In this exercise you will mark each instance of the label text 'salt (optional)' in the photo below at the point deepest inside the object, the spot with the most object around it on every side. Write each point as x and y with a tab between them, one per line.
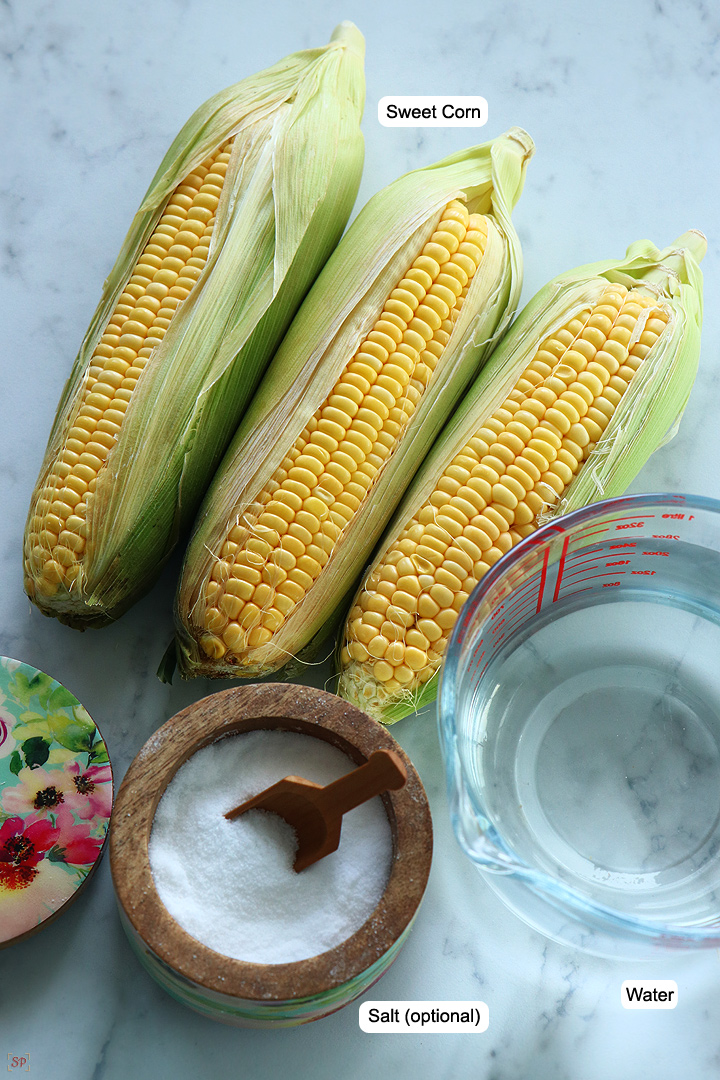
428	1017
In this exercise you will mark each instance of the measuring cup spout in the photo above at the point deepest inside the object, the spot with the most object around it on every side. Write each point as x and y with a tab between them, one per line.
474	832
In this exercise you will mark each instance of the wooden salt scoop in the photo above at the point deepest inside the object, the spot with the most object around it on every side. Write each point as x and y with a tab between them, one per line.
315	812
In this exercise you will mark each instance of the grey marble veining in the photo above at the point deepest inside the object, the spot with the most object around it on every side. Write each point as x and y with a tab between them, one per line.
621	100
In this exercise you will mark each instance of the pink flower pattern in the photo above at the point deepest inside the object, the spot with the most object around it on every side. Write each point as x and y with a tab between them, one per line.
55	797
31	886
23	843
78	847
42	791
89	790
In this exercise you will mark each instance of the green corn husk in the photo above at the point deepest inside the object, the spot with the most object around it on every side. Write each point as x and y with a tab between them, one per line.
291	183
341	309
646	417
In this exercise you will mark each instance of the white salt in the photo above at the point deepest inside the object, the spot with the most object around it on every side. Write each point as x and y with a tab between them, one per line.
231	884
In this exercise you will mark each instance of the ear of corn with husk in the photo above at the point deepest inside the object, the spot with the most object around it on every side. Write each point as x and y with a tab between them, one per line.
589	381
413	300
243	211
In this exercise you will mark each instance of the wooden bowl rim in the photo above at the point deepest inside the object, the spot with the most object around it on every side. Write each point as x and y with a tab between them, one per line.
246	708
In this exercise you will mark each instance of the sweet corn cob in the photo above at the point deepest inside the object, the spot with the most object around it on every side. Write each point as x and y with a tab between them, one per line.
163	277
334	461
507	466
308	512
226	243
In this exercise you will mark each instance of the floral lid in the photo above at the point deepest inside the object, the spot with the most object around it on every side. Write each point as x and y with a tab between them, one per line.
56	793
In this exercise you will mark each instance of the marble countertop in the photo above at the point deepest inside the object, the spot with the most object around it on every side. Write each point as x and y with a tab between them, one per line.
622	103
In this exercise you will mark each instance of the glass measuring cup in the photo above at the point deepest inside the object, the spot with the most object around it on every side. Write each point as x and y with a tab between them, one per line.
579	714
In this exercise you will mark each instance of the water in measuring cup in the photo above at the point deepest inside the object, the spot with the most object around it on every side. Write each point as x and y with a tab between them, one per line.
598	743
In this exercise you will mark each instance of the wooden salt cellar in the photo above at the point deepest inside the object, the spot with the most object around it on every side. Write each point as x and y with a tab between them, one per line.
234	991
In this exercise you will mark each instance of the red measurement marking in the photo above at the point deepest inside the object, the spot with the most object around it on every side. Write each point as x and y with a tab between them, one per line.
514	622
543	576
616	547
476	661
528	584
518	605
512	606
561	568
574	592
608	574
592	532
665	553
584	554
526	605
633	517
477	657
582	571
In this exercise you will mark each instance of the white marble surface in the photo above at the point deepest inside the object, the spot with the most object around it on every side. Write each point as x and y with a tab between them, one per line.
622	102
